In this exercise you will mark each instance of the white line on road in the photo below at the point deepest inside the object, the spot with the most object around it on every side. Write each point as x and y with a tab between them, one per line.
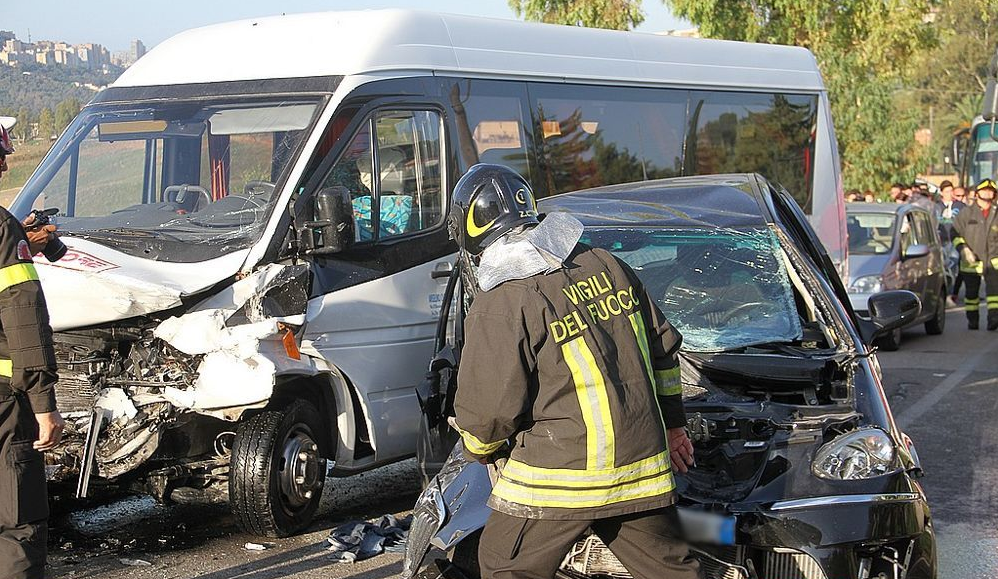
916	410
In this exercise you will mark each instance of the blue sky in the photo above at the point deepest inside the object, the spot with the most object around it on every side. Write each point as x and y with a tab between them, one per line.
114	23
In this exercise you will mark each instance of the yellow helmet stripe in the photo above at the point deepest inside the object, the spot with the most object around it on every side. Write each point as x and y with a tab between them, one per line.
473	228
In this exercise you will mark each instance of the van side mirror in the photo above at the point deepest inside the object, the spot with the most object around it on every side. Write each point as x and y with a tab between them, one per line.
332	228
889	311
960	140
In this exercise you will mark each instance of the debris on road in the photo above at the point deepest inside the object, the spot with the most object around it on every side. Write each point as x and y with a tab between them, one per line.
135	562
359	540
257	546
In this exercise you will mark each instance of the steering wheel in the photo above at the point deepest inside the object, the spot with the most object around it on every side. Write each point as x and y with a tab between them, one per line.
182	191
738	310
259	189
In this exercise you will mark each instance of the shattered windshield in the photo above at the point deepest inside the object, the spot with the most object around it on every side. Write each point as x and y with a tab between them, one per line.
173	181
723	289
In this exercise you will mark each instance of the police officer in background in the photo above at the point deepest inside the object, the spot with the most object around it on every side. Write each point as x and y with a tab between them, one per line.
975	236
29	421
567	356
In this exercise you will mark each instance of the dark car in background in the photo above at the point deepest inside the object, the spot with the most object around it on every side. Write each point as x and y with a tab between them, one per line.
801	472
897	246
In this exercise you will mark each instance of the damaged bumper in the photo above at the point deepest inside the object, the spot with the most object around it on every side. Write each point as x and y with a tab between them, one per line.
160	396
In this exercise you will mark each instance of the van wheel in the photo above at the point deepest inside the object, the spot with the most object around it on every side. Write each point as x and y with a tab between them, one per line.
937	324
276	474
891	342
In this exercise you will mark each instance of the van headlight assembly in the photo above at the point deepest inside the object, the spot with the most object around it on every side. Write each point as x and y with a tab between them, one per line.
860	454
868	284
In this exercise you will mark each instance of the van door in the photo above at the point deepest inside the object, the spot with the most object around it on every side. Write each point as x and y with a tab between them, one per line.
374	306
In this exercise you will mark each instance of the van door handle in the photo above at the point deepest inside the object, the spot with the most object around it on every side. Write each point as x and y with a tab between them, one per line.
442	270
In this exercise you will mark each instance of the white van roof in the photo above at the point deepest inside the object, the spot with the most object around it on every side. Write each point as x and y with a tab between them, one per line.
414	42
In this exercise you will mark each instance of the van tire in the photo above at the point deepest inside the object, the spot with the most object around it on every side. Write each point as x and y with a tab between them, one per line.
269	496
937	324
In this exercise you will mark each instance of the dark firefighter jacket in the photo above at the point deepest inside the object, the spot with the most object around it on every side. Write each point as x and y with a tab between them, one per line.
579	368
27	358
979	233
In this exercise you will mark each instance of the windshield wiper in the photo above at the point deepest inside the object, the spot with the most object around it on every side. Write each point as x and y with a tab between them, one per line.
121	234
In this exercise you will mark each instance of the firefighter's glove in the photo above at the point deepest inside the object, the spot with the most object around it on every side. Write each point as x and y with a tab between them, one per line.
967	255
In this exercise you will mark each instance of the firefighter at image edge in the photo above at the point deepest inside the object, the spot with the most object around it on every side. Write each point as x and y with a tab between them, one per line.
29	421
975	236
569	361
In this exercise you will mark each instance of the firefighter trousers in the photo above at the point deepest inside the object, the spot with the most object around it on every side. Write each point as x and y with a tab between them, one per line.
648	544
972	301
23	494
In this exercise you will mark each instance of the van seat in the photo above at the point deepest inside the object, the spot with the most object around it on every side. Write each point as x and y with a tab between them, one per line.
396	211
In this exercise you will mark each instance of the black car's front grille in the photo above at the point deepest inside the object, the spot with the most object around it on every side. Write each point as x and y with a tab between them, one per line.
790	564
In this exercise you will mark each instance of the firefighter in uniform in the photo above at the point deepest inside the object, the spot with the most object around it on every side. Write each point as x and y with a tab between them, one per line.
975	236
29	421
569	361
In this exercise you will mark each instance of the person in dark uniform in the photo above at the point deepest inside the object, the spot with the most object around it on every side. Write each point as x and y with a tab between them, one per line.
975	237
570	362
29	421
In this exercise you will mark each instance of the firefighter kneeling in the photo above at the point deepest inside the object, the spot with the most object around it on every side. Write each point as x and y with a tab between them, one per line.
975	236
555	361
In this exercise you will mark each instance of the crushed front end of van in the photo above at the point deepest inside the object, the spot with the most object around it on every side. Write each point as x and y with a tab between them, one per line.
180	356
145	393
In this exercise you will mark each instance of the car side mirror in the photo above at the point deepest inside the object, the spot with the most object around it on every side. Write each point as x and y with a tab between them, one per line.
332	227
989	107
915	250
889	311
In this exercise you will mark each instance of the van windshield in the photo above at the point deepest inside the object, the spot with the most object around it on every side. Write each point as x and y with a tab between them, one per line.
173	181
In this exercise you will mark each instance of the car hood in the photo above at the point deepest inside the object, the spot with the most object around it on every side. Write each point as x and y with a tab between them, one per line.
864	265
94	284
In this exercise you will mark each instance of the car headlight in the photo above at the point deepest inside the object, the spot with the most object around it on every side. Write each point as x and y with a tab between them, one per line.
863	453
868	284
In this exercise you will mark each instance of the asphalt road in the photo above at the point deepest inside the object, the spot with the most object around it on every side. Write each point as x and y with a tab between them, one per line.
942	390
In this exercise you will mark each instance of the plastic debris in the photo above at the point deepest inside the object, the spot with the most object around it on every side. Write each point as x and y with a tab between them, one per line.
135	562
359	540
257	546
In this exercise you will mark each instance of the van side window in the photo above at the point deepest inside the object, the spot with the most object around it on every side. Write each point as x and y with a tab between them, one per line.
589	136
491	123
353	171
397	171
770	134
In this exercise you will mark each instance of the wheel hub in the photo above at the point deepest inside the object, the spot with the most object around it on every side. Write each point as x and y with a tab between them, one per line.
300	476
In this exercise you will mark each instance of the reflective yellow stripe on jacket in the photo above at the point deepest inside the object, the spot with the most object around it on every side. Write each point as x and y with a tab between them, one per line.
667	382
591	390
565	488
475	445
6	368
17	273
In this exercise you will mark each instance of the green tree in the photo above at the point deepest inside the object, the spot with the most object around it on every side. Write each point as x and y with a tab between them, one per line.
950	80
46	124
867	50
65	112
613	14
24	120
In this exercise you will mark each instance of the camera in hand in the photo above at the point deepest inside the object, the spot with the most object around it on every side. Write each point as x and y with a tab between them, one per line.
55	249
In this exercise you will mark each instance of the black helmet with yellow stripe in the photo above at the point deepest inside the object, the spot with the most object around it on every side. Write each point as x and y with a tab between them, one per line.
987	184
489	201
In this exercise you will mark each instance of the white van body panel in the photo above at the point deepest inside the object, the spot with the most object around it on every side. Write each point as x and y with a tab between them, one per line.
370	41
118	286
379	334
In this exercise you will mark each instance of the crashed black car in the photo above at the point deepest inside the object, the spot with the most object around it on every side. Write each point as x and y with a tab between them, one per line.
801	471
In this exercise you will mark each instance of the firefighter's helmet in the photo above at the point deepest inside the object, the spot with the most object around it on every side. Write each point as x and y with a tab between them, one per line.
489	201
987	184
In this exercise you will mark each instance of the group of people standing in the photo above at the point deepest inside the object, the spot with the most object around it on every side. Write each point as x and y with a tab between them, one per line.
968	229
